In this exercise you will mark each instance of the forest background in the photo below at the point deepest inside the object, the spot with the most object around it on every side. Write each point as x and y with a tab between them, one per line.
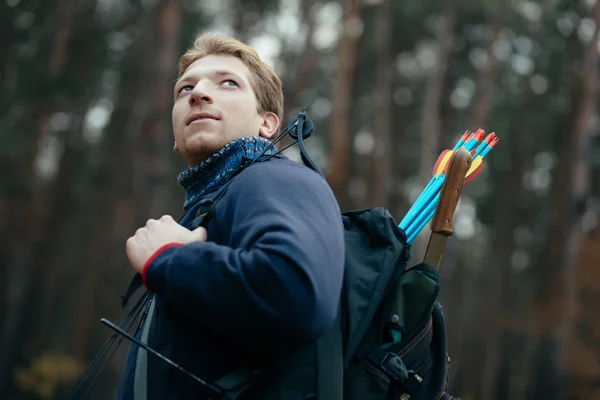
86	158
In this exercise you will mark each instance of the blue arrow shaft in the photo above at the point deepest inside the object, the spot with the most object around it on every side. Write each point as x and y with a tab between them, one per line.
422	201
426	205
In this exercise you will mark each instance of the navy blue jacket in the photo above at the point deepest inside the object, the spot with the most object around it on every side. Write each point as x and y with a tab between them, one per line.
266	281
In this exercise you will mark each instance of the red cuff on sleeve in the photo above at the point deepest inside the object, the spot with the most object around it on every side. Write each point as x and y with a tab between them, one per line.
153	256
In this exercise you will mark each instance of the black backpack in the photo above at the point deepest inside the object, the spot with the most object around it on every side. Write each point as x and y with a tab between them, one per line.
389	339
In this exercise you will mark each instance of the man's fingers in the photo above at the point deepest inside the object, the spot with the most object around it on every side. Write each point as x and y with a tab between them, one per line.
164	219
200	234
130	245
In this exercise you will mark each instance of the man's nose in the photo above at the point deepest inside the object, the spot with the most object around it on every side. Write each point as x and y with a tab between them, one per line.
200	93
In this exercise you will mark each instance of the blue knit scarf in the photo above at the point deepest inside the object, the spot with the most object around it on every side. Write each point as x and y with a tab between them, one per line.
220	167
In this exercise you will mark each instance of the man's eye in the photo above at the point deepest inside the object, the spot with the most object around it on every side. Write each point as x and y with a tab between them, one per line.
186	88
230	82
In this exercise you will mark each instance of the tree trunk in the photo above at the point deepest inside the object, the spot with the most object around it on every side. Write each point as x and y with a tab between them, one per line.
155	142
486	295
485	83
131	135
380	157
495	313
8	36
431	119
54	258
456	277
495	276
581	353
339	129
29	210
307	65
431	112
50	262
557	291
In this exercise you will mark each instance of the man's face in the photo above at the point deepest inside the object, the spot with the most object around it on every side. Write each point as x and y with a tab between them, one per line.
214	105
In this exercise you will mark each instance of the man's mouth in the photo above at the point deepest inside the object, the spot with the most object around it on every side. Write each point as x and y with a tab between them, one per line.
201	117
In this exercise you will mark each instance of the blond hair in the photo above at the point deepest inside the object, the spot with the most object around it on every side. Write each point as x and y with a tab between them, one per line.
266	84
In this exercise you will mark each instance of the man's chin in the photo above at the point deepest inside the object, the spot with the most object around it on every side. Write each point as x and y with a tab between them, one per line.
201	147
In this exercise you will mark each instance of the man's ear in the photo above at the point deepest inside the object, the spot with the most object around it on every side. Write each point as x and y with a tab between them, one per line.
269	125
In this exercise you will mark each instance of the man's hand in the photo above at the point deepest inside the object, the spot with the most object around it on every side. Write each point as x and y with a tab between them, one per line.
157	233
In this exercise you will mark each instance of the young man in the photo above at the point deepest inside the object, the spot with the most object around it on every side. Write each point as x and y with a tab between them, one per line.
264	277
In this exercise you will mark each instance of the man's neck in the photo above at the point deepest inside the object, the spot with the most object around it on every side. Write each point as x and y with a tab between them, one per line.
217	169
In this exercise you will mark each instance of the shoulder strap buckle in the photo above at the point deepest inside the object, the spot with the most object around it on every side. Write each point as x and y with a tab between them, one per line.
393	366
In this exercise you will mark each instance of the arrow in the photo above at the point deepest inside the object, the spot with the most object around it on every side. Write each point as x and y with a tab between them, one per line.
462	140
426	212
423	208
441	225
439	171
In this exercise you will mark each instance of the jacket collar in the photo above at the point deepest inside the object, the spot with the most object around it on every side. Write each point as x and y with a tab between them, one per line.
220	167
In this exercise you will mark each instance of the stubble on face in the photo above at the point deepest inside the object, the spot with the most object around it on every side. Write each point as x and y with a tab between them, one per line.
217	90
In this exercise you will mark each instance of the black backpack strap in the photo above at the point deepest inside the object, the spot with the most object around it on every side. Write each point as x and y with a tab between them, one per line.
236	383
207	205
330	367
134	285
304	125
